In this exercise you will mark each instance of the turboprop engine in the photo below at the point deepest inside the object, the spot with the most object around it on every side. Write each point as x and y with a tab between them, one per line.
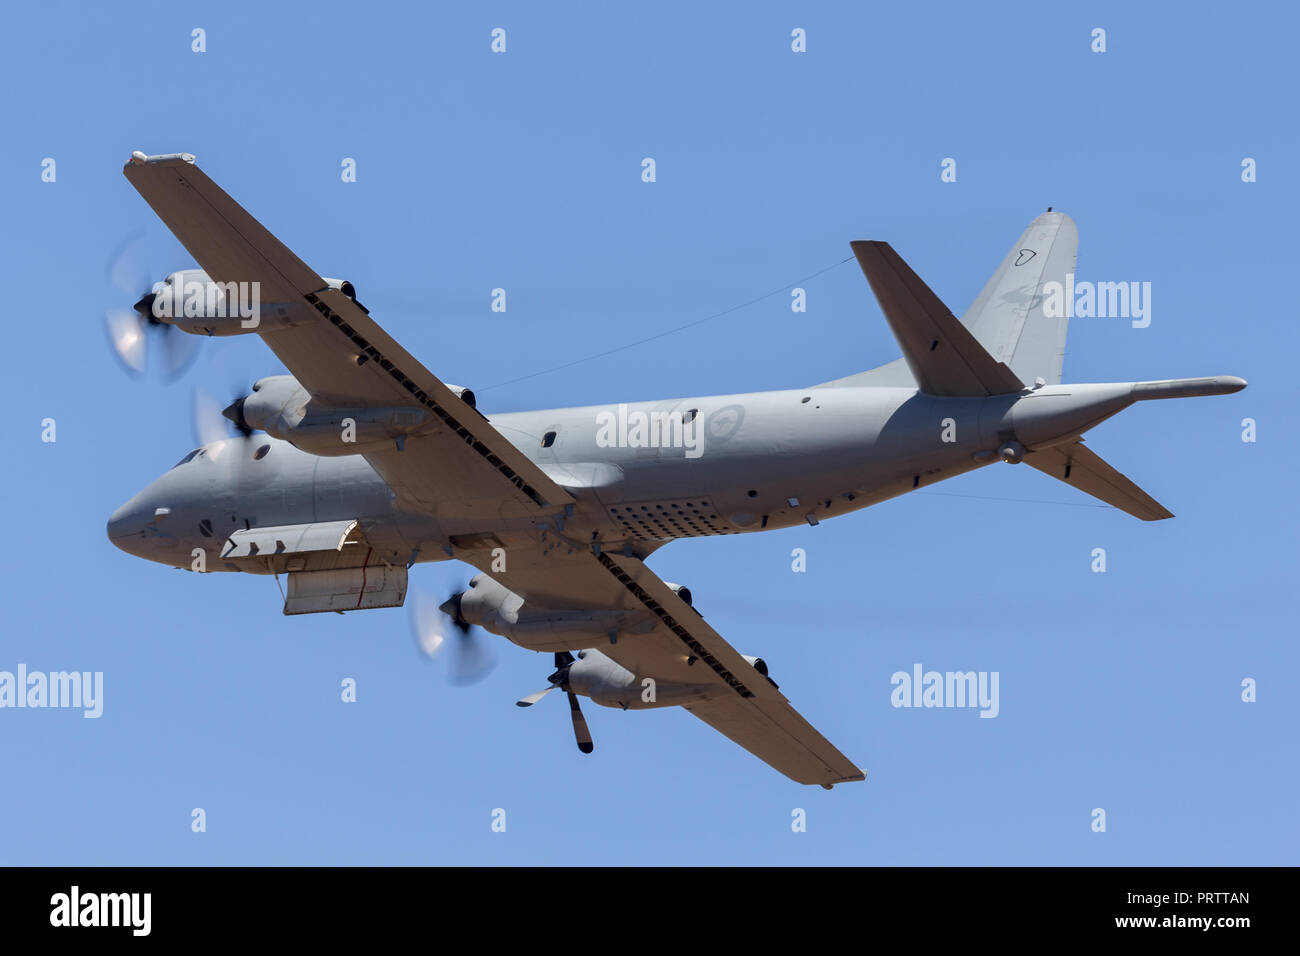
495	608
281	407
193	302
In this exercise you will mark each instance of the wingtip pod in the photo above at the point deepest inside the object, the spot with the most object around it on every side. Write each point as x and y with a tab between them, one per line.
140	158
1188	387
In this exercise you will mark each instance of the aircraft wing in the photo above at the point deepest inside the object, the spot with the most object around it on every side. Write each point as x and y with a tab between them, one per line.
680	646
461	466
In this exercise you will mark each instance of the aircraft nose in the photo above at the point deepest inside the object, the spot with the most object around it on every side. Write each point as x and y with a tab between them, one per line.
124	522
128	526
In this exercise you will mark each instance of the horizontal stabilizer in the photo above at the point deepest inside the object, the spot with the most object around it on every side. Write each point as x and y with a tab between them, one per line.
1077	465
944	357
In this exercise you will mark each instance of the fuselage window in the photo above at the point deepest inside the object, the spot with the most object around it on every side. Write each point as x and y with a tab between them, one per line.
187	458
261	453
548	439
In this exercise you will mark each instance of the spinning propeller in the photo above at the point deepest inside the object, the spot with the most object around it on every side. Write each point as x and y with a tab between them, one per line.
212	424
436	627
563	661
136	333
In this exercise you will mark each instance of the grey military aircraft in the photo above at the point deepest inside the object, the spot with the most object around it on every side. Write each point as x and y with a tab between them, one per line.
362	463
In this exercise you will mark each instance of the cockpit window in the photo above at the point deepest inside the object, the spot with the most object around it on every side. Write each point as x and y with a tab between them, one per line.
187	457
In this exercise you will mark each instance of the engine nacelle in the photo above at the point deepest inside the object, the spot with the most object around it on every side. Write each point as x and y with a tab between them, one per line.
610	684
193	302
282	408
495	608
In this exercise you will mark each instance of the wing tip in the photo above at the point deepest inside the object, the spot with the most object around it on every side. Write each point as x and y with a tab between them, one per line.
852	778
140	157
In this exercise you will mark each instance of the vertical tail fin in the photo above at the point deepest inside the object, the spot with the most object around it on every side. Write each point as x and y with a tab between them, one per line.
1007	317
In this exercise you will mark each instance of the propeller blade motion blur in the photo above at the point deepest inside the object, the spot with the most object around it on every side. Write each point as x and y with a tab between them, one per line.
136	333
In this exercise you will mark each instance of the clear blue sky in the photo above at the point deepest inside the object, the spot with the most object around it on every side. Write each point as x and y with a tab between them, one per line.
1118	690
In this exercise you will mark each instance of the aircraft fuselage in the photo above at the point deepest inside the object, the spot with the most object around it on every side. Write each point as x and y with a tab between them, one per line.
740	463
